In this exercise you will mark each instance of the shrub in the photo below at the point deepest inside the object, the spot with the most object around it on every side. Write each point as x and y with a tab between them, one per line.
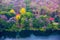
3	24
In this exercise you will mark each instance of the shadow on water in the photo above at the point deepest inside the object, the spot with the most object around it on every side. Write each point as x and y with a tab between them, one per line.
21	34
31	35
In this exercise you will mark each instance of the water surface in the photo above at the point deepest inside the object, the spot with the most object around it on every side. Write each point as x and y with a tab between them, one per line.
32	37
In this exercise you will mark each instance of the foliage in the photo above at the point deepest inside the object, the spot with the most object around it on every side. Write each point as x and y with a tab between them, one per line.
25	20
37	23
25	17
26	24
3	24
12	11
29	15
8	14
49	27
6	8
57	19
13	27
28	9
42	29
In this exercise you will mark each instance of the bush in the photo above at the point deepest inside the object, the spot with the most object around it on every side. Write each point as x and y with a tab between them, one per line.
3	24
37	23
9	15
13	27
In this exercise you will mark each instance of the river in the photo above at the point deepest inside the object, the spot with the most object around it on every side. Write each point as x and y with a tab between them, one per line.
32	37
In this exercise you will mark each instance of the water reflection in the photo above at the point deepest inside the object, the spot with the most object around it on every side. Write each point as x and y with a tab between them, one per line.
32	37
